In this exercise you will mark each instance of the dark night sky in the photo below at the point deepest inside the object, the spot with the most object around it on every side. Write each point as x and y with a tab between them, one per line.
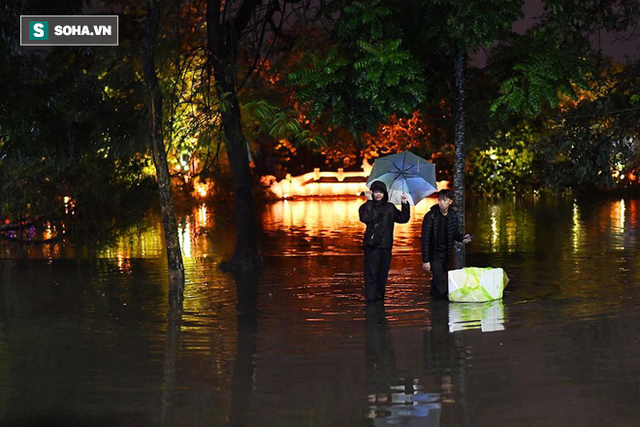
613	45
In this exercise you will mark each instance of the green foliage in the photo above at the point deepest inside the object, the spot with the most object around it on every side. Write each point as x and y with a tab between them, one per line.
581	158
539	68
503	168
594	144
365	78
468	24
70	126
536	78
269	119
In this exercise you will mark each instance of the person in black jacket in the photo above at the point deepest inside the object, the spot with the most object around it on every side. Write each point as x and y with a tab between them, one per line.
439	230
379	215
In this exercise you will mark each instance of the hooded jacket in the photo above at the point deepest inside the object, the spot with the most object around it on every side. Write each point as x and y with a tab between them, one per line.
431	225
385	214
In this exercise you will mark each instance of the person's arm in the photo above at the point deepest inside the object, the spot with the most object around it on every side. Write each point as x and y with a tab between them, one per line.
459	237
368	215
425	240
402	216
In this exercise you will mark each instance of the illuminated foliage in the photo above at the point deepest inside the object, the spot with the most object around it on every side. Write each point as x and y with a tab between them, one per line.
500	169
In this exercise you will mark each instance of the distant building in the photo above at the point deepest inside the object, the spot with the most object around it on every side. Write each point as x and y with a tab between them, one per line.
327	184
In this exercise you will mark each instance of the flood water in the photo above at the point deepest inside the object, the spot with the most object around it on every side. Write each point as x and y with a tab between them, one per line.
88	339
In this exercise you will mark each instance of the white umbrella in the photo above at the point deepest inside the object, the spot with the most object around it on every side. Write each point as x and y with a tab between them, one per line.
405	173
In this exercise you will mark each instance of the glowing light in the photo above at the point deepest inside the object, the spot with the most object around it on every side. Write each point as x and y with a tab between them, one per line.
48	232
202	215
201	188
617	217
325	183
494	225
185	239
576	228
617	214
69	205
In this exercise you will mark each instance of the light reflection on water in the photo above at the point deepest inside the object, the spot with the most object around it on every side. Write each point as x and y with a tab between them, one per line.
88	336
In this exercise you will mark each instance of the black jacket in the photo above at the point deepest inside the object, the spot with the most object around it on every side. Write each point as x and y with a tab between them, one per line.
431	225
385	213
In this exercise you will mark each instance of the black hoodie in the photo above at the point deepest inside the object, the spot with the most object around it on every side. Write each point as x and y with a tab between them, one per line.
384	213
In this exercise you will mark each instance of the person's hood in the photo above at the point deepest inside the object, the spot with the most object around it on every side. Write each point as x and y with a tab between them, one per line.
379	185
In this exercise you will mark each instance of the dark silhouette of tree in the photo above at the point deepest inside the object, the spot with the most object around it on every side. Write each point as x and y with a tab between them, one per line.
174	254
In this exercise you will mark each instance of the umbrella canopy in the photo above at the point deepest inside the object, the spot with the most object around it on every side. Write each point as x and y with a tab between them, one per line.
405	173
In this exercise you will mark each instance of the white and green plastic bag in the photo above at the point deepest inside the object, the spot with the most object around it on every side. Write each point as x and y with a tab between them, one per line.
473	284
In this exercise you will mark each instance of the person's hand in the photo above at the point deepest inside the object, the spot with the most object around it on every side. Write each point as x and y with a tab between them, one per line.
369	194
426	266
467	238
404	198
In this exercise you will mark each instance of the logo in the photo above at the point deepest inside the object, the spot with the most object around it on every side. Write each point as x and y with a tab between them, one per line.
69	30
38	30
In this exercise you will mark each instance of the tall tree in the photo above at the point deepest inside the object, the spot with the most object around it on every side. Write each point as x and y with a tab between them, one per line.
392	56
174	254
256	23
223	33
469	26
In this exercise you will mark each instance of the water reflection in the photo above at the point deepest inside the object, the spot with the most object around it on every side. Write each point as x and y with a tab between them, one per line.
393	400
95	337
244	370
329	227
446	357
171	351
577	230
486	316
138	242
617	224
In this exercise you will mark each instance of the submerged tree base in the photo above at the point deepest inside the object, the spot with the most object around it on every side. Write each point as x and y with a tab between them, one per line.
176	282
237	263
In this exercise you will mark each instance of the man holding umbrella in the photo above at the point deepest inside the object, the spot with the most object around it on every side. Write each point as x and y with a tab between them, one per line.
379	215
401	178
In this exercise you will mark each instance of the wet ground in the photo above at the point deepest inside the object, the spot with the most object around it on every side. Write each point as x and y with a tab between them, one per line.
89	339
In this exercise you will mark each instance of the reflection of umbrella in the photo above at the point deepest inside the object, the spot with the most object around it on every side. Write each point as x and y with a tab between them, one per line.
405	173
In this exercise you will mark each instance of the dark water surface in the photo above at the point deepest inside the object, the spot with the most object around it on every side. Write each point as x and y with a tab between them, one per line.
90	339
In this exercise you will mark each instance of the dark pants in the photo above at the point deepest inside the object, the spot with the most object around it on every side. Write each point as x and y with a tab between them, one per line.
440	279
376	270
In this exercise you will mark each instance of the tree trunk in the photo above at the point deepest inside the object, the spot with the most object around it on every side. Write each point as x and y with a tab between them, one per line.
222	41
245	254
459	157
172	243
